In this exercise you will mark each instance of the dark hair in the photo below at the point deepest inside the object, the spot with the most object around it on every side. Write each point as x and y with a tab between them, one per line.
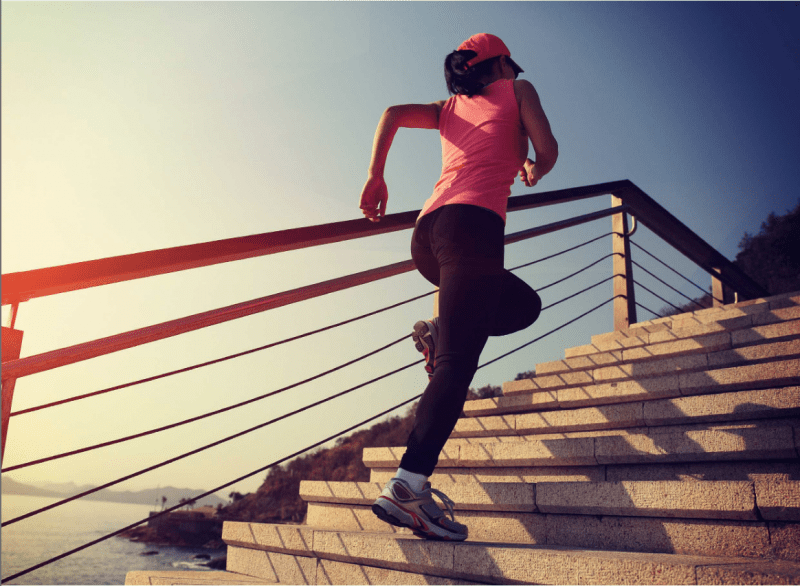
462	79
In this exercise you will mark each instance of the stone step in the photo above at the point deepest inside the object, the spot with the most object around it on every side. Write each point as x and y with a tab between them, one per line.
778	373
300	555
729	406
731	500
737	328
706	537
753	470
658	445
608	352
717	351
199	578
522	393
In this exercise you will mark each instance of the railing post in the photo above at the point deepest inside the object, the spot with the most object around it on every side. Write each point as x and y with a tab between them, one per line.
12	344
624	300
717	292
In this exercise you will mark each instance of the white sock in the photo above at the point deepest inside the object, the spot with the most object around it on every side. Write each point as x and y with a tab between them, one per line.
414	480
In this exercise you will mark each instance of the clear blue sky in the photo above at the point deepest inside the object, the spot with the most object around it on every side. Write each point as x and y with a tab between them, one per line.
137	126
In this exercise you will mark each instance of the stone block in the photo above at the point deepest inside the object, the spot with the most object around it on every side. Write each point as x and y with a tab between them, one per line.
686	329
756	572
336	517
646	534
581	351
485	426
787	300
619	392
785	540
158	577
737	405
293	539
744	354
382	457
272	566
392	551
777	315
333	572
751	376
325	491
557	452
535	565
595	418
511	404
674	499
779	500
760	334
696	471
693	345
530	474
697	446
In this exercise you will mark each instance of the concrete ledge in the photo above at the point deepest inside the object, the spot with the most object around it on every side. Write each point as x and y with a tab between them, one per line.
687	500
333	572
531	474
294	539
284	568
750	573
594	418
503	496
619	392
148	577
732	406
777	373
512	404
779	500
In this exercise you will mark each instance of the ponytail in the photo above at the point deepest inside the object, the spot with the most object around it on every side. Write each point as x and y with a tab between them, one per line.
462	79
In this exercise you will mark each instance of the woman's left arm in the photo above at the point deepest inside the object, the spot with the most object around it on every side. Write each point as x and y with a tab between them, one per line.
375	195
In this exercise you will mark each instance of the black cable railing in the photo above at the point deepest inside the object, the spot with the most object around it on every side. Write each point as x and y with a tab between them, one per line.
286	388
684	277
275	420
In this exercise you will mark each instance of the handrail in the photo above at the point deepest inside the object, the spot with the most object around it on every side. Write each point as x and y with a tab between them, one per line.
14	369
26	285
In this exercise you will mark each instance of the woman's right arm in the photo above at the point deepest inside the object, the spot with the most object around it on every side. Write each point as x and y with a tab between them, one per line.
537	126
374	194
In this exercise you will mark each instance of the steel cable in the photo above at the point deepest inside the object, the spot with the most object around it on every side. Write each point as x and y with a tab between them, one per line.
271	345
655	295
217	360
264	396
667	284
199	417
670	268
207	446
647	309
205	494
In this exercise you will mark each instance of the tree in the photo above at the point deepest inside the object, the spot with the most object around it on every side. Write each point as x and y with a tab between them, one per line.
236	496
163	502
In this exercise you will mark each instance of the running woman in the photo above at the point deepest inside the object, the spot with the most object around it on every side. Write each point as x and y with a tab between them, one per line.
458	246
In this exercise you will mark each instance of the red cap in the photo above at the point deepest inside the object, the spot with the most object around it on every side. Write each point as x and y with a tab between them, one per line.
486	46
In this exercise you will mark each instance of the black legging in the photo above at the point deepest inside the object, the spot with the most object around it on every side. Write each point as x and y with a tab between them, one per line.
460	248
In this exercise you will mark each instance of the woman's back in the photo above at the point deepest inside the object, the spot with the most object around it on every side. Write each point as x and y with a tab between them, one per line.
483	147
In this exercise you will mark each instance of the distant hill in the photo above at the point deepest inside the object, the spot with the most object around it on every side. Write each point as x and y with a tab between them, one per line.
151	496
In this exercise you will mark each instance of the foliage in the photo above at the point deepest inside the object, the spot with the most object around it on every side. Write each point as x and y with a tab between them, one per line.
771	258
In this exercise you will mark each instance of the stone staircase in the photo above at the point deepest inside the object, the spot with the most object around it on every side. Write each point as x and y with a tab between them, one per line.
667	453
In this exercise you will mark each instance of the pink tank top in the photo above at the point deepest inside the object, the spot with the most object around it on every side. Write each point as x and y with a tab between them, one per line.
483	147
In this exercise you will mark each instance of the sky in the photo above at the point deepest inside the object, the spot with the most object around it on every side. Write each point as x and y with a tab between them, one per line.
130	127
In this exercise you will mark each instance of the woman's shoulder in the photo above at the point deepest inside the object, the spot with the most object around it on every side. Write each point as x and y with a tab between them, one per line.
523	89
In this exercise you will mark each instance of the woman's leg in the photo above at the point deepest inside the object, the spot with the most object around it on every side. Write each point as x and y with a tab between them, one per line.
467	244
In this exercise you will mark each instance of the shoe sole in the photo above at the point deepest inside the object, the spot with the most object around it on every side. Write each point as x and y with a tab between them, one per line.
424	532
421	331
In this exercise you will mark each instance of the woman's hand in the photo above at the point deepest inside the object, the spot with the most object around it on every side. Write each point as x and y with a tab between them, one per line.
528	174
373	198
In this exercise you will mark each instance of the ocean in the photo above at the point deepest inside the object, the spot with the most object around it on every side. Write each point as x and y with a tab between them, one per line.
36	539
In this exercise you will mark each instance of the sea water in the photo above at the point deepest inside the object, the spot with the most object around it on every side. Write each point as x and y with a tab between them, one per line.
39	538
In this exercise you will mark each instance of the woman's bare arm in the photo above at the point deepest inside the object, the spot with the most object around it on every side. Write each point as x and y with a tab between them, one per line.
537	126
374	195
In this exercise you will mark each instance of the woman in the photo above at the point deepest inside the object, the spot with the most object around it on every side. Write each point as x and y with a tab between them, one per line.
458	246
